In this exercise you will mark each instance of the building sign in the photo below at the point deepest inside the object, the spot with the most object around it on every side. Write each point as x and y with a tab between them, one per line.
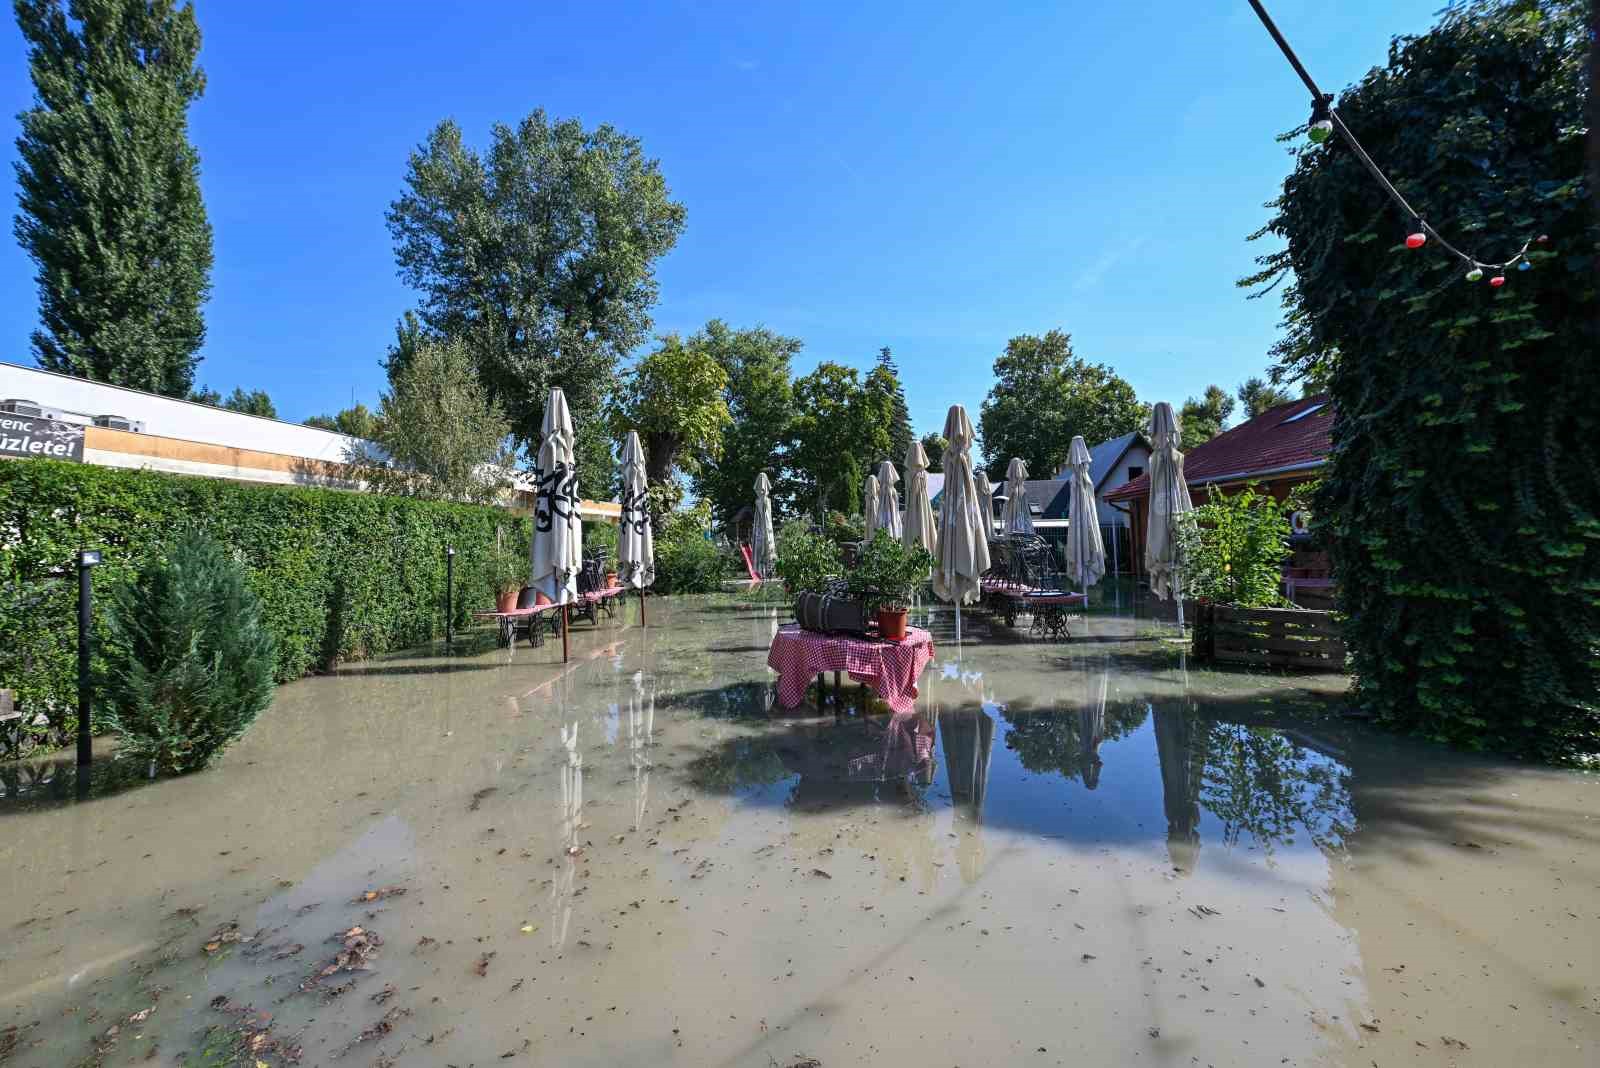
22	436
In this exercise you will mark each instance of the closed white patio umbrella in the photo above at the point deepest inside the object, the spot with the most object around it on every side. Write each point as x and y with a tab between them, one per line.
980	482
1086	552
963	554
888	503
1018	517
1169	501
869	508
557	548
919	527
763	545
636	541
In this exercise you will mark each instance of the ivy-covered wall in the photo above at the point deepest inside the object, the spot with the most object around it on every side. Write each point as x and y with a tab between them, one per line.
1461	505
341	575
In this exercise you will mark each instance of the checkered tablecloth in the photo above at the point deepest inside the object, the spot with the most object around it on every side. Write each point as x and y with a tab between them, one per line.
891	669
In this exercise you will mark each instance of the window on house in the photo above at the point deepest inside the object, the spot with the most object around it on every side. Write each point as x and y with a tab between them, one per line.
1134	472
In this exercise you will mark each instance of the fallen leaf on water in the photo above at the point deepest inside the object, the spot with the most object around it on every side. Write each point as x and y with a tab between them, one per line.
482	967
1454	1043
528	928
819	871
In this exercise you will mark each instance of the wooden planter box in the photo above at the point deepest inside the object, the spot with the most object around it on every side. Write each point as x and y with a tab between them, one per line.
1282	637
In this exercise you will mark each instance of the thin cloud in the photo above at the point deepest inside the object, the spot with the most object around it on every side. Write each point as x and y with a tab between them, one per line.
1092	275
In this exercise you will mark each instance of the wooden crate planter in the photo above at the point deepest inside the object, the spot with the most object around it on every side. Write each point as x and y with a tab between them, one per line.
1282	637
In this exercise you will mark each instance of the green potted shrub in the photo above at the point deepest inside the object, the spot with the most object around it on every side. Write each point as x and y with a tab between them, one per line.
509	569
807	561
885	578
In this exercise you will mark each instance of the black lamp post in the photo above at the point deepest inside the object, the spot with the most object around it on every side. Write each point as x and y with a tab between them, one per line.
87	559
449	595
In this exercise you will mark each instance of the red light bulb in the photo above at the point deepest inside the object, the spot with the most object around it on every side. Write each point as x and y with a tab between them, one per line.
1498	280
1416	240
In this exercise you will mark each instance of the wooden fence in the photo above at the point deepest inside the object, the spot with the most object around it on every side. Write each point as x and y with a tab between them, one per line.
1283	637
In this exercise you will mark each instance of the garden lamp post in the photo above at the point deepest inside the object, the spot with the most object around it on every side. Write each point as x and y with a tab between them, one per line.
449	595
87	560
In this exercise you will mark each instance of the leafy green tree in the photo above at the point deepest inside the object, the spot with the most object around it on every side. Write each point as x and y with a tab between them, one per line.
109	192
251	402
1203	418
886	376
1459	505
190	660
839	429
356	421
760	398
1234	546
1042	396
675	398
539	257
934	444
255	402
437	433
1256	395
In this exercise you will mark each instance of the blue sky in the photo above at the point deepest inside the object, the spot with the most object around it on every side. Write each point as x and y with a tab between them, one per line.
936	178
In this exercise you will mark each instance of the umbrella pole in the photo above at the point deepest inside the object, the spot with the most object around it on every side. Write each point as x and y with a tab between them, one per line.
641	606
958	621
1177	593
564	629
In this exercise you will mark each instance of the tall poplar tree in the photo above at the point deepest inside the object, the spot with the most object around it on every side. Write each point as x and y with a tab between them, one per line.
900	428
109	192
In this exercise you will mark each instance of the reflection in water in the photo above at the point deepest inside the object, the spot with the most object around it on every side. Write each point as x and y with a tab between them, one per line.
1092	725
561	890
1182	768
641	728
968	736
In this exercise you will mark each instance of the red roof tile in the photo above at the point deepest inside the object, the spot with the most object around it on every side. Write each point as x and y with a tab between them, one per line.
1287	436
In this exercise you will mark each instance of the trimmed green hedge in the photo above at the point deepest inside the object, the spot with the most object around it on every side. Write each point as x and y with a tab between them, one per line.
341	575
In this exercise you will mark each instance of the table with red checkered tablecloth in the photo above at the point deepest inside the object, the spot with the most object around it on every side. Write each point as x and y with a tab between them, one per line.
891	669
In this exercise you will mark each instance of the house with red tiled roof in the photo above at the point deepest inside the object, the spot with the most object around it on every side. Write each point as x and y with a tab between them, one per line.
1277	450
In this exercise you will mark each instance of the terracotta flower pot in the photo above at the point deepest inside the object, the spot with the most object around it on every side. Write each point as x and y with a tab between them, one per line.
539	598
505	600
611	580
892	624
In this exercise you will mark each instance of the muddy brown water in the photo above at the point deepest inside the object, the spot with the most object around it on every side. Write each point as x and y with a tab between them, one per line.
1108	855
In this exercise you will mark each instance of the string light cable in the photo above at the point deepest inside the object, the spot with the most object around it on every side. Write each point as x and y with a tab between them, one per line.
1325	122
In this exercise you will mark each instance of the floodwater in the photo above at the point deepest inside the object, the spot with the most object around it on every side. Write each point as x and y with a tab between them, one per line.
1082	852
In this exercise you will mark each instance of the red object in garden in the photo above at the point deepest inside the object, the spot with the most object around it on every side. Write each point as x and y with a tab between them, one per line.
505	600
1498	280
749	562
891	669
1416	240
892	624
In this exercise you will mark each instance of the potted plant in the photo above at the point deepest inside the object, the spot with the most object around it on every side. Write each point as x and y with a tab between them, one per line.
509	571
885	578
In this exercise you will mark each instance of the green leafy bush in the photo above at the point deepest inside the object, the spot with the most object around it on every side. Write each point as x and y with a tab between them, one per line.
843	529
687	561
601	538
189	660
807	561
888	573
1234	548
340	575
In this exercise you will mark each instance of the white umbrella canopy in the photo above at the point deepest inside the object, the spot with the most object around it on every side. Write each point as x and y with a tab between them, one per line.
888	504
980	482
763	544
1169	500
1086	552
1018	517
636	544
557	549
919	527
869	508
963	554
